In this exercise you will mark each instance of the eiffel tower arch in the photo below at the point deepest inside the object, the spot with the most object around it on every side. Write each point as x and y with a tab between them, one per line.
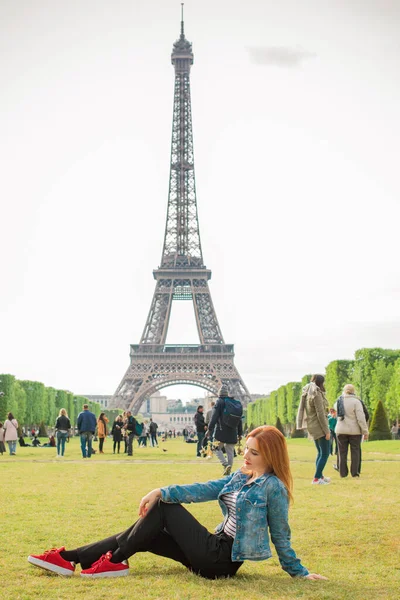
181	276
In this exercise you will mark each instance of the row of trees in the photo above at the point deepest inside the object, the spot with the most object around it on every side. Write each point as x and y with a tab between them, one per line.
374	372
32	403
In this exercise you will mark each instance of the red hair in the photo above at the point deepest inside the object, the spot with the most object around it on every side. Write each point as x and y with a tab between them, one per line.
273	448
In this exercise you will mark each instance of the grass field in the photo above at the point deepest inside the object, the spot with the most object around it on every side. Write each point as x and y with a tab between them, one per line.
348	531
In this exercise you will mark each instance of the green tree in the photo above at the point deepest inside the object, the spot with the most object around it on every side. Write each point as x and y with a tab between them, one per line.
379	429
293	393
364	365
381	376
282	405
35	401
279	426
7	396
20	397
338	373
51	410
393	393
305	379
271	409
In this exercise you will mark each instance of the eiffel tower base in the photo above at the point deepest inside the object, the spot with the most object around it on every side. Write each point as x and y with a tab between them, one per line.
157	366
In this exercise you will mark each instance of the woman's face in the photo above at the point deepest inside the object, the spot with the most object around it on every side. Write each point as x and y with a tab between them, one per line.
252	457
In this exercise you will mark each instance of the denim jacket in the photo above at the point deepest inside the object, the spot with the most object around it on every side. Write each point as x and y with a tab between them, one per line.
260	505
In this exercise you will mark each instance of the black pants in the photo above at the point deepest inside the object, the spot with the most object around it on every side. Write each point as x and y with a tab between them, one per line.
117	444
170	530
354	441
101	442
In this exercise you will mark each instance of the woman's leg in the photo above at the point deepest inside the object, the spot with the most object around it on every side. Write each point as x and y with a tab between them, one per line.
168	530
118	446
355	450
317	459
343	444
323	455
101	442
58	443
114	446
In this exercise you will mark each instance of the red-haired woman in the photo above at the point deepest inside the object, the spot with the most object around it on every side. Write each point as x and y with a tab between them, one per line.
254	501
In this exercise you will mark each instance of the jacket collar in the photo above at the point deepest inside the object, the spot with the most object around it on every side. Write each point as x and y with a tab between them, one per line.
259	481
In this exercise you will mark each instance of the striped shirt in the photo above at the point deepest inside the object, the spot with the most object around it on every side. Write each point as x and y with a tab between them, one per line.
230	522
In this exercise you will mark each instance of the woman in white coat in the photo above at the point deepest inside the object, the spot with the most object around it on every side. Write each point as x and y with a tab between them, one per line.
350	428
11	433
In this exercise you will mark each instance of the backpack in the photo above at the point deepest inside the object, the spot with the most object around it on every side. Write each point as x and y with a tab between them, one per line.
232	412
138	428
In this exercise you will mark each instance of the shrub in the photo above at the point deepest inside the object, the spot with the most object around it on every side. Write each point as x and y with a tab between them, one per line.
42	429
297	433
278	425
379	425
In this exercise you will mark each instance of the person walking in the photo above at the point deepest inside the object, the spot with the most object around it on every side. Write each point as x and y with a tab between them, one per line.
254	499
312	415
226	426
116	432
131	429
332	420
153	433
2	446
102	430
350	429
142	439
11	433
201	427
86	424
62	428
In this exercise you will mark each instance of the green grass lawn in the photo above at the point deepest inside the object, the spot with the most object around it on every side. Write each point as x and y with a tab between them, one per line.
348	531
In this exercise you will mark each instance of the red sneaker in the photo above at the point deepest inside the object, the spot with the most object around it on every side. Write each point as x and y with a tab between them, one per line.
52	561
104	568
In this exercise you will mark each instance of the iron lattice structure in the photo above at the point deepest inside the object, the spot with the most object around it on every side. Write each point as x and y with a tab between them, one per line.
182	275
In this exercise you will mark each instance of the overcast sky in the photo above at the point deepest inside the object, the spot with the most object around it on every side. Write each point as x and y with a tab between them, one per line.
296	132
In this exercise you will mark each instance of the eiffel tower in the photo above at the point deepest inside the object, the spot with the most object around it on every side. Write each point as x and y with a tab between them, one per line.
182	275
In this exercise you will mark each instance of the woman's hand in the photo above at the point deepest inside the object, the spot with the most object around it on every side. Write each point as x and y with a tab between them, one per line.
328	436
315	576
148	501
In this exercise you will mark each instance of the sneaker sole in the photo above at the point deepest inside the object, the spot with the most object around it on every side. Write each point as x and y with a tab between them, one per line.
106	574
42	564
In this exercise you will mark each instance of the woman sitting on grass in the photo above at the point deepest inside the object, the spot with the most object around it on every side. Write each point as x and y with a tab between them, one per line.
253	500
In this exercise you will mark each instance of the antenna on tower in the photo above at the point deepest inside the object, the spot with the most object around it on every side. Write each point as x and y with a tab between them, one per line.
182	30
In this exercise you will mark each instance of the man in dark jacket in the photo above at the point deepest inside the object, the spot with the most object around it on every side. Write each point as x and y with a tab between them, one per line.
201	427
227	435
153	433
86	424
131	428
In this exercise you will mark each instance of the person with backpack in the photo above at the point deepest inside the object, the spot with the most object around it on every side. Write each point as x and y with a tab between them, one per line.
226	426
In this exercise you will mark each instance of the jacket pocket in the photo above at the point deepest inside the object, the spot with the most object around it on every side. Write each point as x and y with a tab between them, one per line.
256	510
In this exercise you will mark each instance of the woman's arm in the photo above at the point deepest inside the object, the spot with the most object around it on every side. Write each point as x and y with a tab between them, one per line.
177	494
277	515
361	418
194	492
321	414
